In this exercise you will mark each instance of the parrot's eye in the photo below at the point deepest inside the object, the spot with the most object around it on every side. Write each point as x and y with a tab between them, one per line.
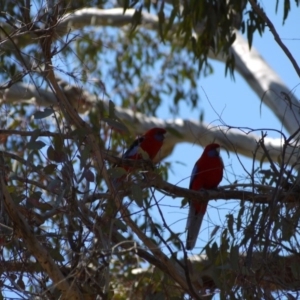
159	136
213	152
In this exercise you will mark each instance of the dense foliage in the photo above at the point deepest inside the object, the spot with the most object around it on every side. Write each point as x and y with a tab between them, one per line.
64	231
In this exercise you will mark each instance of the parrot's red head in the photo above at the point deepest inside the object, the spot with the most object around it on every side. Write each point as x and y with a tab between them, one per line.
212	150
157	133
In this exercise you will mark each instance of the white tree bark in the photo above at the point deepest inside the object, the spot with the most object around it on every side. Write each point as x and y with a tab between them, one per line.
190	131
266	84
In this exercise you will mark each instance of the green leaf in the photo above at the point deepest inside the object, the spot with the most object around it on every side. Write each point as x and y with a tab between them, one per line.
44	206
136	18
31	156
56	255
36	195
161	21
120	225
21	283
57	156
85	155
287	230
11	189
117	172
43	114
175	239
184	202
79	134
111	110
172	16
137	194
249	34
89	175
213	251
36	145
35	134
58	143
239	217
125	5
17	197
156	296
295	270
215	230
49	169
54	184
286	9
234	257
230	224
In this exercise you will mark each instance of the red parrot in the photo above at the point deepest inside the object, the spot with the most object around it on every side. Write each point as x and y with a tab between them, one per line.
150	143
207	174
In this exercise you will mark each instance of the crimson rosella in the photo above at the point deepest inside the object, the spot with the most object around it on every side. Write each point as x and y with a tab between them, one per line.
207	174
150	143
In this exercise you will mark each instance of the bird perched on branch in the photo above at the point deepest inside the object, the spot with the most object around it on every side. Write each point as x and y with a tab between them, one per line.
207	174
150	143
145	147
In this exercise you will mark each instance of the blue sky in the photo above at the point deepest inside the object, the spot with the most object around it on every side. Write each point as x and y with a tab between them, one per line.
239	106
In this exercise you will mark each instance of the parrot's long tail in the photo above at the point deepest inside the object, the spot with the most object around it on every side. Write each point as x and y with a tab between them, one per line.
194	224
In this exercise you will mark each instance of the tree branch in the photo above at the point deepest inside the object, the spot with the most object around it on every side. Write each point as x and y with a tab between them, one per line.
241	141
287	52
